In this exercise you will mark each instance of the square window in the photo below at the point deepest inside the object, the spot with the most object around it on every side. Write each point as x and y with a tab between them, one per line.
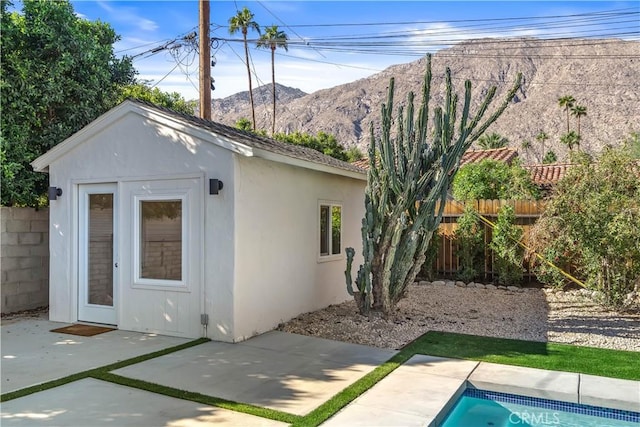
330	230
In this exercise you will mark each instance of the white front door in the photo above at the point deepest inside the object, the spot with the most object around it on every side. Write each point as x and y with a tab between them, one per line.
97	263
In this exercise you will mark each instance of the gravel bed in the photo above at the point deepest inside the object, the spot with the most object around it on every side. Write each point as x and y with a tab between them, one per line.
529	314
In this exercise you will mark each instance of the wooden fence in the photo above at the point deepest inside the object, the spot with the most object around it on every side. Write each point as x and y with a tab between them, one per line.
447	262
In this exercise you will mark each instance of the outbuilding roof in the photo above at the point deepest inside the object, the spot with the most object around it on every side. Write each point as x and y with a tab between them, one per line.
247	143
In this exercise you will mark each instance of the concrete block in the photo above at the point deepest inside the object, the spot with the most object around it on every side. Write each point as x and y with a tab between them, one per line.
22	275
39	226
17	226
41	251
33	286
30	238
15	251
10	263
10	288
29	262
9	238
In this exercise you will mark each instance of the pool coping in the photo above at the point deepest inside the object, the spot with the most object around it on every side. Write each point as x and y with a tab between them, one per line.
422	391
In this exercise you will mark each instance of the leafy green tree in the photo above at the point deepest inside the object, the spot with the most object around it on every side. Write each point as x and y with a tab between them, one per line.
322	142
566	102
354	154
143	92
591	222
272	39
578	111
570	139
492	140
243	124
491	179
550	157
509	254
59	73
243	22
542	137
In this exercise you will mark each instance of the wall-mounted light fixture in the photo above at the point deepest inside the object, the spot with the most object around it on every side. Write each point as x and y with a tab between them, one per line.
215	185
54	193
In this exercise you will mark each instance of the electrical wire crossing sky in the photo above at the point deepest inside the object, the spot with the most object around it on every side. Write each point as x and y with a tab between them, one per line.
332	43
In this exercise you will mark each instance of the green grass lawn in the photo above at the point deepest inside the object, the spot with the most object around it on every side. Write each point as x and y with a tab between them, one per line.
552	356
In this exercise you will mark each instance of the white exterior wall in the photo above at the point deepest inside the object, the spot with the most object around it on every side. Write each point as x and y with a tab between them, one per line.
135	151
278	272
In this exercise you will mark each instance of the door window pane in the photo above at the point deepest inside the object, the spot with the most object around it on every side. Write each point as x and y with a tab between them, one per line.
100	286
161	239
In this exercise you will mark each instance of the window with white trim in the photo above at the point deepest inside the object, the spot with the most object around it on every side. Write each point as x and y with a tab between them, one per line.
330	229
160	247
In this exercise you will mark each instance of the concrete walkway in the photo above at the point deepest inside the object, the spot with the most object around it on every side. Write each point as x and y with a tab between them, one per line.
287	372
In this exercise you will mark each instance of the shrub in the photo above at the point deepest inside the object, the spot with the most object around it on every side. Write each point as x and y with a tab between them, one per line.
509	255
592	222
469	239
491	179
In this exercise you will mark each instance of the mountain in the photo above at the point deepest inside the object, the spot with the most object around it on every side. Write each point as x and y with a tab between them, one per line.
238	105
601	75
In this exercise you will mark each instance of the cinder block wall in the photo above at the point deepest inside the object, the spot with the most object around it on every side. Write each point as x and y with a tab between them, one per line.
24	258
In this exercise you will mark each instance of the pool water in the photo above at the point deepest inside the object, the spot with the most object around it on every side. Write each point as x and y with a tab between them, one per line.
481	408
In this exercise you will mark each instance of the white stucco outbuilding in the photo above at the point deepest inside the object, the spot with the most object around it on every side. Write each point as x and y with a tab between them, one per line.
162	222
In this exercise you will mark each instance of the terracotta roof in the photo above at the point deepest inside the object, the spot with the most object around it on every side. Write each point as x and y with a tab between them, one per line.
256	141
362	163
546	175
504	154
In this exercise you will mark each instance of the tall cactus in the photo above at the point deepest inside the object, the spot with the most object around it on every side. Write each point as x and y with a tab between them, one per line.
408	180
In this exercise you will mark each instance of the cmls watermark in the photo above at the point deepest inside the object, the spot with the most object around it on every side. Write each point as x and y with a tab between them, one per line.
534	418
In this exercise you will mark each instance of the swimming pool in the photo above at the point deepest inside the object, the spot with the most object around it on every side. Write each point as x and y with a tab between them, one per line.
480	408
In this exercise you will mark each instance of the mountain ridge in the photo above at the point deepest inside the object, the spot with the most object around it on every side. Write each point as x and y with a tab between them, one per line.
600	74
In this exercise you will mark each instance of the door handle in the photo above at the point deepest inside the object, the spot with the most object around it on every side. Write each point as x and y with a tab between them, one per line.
116	265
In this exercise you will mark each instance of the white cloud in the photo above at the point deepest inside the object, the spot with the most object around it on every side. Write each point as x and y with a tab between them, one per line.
129	16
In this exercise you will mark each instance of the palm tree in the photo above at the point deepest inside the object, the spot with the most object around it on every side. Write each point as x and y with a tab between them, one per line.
493	140
578	111
566	102
243	21
526	146
541	137
570	139
550	157
272	39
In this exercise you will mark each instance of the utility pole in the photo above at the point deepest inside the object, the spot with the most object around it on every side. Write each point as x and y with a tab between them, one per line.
205	61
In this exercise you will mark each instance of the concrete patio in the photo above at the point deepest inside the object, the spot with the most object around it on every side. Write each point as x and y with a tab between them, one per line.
287	372
290	373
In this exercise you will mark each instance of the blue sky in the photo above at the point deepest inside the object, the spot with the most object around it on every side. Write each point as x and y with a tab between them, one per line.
327	38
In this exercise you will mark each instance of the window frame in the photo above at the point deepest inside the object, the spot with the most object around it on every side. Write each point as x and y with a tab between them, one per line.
147	283
330	256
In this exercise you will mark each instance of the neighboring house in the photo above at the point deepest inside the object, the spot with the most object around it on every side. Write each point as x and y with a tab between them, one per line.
144	235
544	176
